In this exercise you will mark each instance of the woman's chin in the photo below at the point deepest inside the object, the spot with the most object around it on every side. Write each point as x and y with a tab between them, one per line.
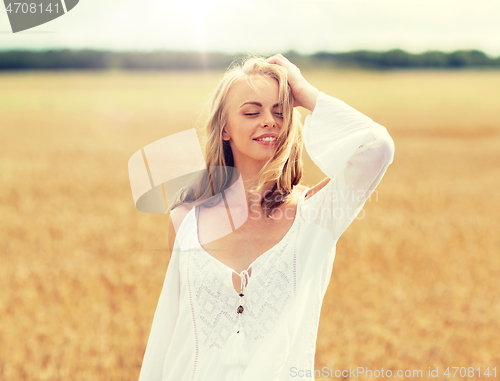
261	159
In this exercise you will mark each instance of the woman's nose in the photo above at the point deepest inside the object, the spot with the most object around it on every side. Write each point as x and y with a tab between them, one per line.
268	120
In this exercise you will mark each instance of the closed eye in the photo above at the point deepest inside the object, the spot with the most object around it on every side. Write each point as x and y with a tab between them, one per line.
252	114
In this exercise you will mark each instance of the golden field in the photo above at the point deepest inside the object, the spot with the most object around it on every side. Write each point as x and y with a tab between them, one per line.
415	282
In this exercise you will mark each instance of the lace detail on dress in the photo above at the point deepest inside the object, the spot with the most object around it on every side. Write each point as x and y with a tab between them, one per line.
214	302
270	287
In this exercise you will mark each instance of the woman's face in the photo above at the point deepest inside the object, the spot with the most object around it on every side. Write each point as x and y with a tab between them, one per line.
253	114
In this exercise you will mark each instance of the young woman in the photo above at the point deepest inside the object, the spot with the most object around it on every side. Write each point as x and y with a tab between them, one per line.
244	304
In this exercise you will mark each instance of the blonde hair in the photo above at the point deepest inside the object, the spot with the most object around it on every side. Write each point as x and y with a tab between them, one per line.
284	167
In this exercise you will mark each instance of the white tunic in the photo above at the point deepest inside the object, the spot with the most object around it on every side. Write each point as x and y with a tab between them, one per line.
197	333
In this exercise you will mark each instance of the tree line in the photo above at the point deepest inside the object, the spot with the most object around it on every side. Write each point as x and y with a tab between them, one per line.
87	59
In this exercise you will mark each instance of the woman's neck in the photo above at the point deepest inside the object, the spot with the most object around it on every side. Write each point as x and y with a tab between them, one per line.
249	183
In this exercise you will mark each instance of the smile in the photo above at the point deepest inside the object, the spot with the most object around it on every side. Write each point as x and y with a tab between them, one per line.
268	139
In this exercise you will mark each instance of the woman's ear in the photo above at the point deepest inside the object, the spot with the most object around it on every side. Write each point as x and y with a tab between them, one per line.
225	135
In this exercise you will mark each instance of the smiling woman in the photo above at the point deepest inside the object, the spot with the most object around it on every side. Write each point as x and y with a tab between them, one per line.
251	101
245	305
254	116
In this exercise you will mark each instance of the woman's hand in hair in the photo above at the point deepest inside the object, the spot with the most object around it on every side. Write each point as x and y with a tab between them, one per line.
304	93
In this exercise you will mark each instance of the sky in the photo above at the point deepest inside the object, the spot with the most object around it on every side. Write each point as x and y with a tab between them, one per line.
266	26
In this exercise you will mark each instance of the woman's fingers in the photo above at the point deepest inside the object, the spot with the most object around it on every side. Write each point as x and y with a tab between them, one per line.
295	78
304	94
276	59
294	75
279	59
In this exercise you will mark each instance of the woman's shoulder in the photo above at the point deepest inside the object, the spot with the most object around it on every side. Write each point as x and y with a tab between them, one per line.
299	189
178	214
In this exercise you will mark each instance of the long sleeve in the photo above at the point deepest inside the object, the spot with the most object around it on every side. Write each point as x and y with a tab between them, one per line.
353	151
164	322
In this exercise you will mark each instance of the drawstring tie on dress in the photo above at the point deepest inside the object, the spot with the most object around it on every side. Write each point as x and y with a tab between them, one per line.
236	353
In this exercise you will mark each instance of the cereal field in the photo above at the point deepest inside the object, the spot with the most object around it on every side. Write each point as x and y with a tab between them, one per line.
415	281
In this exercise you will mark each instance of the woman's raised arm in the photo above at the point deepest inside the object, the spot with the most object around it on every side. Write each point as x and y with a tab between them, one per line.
350	148
353	151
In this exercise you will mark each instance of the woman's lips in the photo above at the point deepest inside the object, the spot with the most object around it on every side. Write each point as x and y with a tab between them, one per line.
266	142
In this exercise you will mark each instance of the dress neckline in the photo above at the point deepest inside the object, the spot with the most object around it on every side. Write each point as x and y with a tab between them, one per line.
283	240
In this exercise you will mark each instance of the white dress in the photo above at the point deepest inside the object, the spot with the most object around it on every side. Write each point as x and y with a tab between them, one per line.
197	333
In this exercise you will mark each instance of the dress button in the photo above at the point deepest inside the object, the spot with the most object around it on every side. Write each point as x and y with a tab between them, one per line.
240	309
